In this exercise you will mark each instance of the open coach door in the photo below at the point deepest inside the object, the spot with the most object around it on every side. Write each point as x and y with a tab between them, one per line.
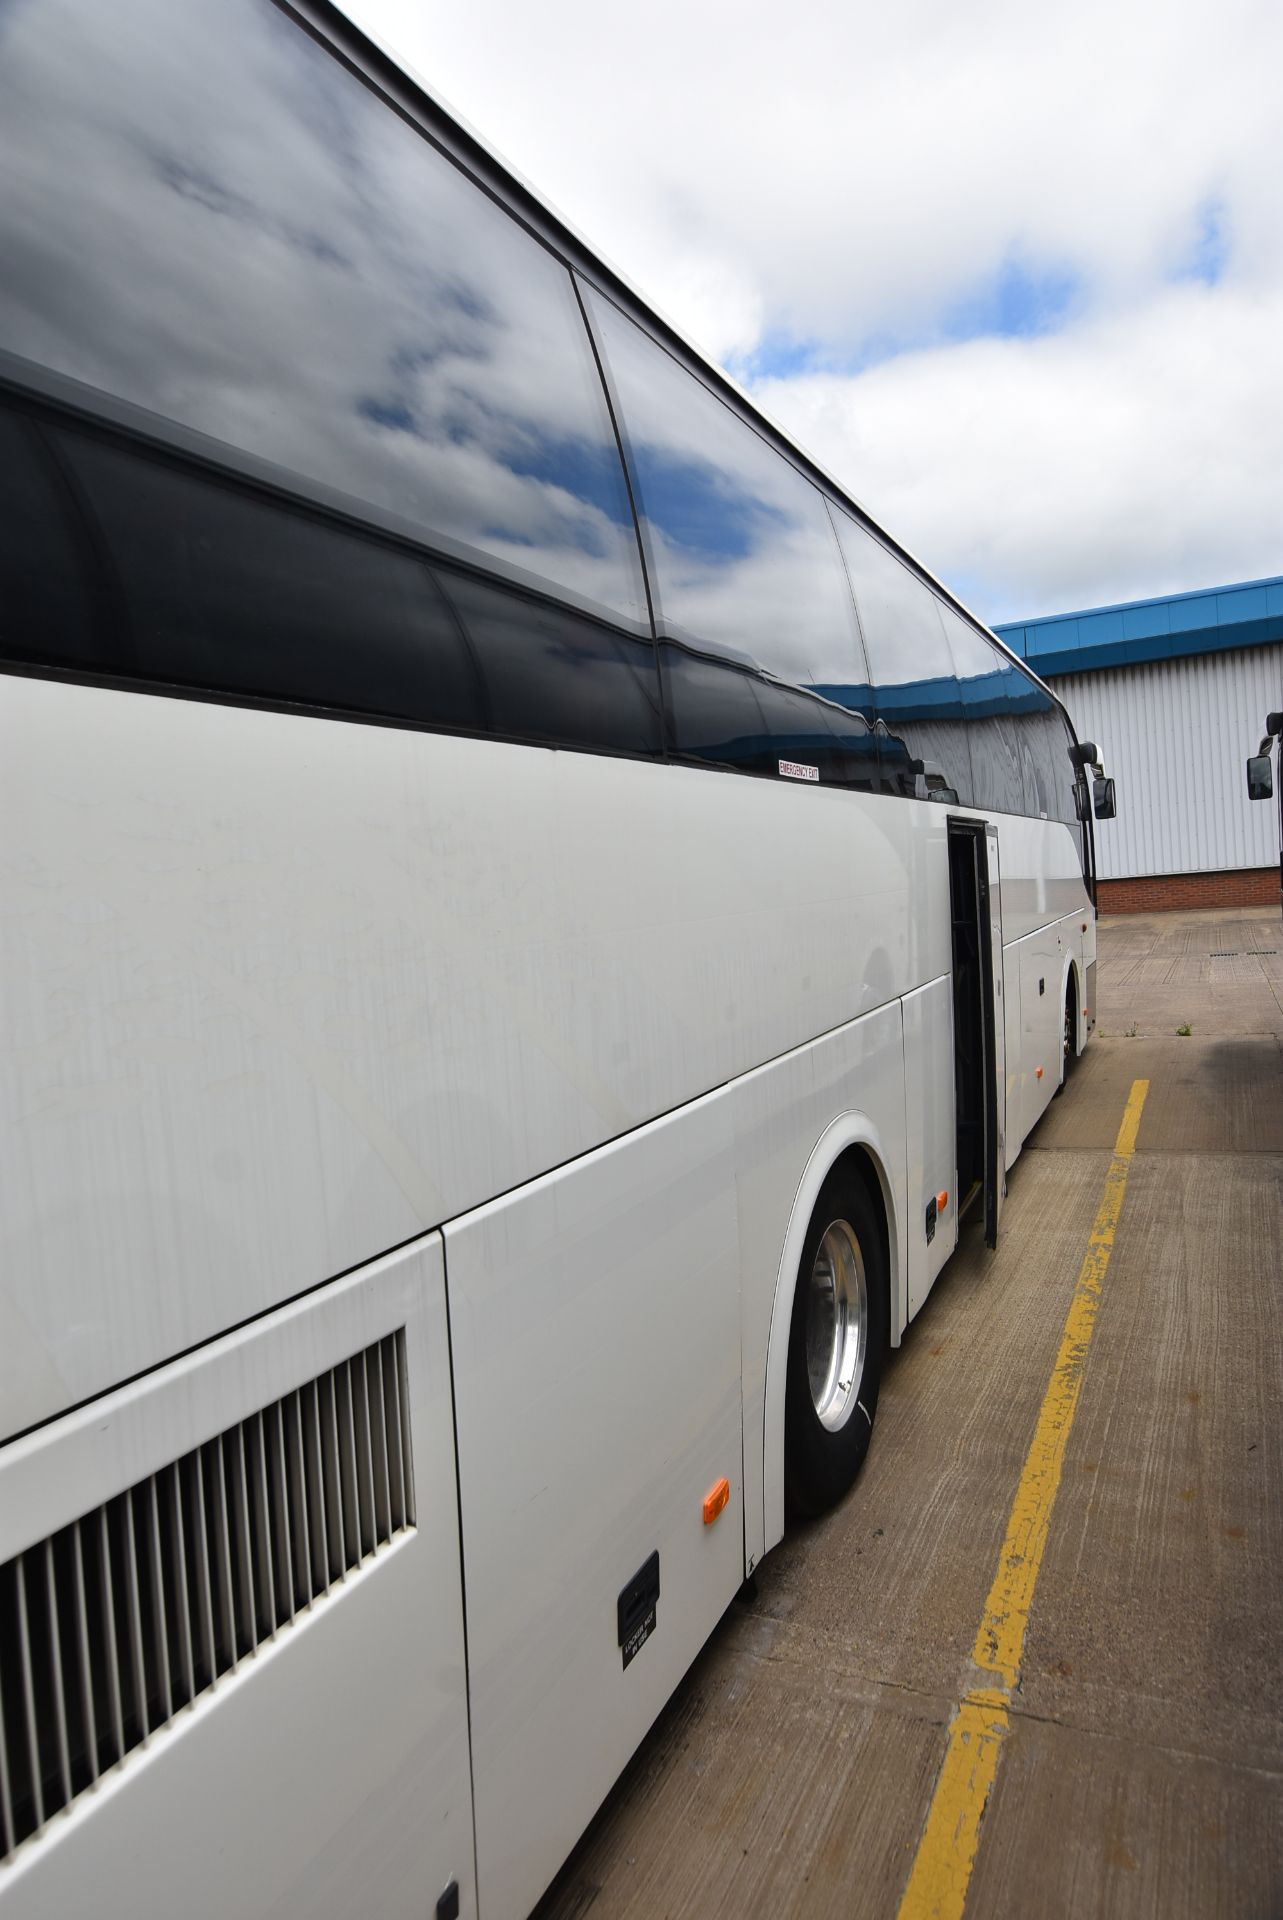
996	1044
978	1024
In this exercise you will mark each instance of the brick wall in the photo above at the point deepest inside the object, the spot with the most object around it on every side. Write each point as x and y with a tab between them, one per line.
1152	892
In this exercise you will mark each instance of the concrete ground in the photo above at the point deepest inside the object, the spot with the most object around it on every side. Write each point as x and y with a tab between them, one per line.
1143	1772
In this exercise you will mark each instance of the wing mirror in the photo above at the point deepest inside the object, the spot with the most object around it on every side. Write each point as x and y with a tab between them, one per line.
1260	775
1260	778
1084	755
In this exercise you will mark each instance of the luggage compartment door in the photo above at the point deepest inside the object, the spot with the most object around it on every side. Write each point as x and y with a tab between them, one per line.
594	1320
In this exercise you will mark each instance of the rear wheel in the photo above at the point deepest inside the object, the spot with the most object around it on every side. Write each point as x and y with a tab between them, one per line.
836	1342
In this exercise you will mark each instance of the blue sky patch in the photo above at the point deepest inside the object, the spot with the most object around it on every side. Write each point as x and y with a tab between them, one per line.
1014	303
778	356
1206	260
392	414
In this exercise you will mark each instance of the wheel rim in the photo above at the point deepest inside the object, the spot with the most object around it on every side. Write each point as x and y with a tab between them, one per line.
837	1324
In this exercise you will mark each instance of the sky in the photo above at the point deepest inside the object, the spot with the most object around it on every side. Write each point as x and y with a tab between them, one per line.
1012	273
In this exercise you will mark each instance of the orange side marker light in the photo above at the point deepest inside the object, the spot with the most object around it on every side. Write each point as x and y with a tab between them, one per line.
942	1201
715	1500
1037	1073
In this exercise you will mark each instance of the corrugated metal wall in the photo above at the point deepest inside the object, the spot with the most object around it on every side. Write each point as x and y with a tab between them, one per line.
1175	735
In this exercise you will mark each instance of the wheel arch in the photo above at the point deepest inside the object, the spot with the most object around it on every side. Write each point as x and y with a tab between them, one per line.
853	1140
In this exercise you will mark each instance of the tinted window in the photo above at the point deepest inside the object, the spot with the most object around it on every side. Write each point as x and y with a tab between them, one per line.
1028	703
762	654
1049	772
1064	796
1040	744
990	688
231	230
741	718
551	674
1072	784
915	689
46	611
225	589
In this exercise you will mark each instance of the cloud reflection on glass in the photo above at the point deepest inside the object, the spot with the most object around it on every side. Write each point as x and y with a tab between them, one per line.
337	299
762	656
233	233
919	706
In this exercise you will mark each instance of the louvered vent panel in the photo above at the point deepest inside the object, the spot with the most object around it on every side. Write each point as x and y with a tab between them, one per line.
115	1623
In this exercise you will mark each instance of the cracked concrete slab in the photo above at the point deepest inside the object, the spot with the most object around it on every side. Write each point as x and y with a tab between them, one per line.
1111	1827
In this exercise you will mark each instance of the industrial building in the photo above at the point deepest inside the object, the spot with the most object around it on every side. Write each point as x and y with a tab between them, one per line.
1175	692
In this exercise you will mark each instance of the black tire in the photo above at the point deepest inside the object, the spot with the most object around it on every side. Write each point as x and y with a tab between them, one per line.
1069	1036
822	1458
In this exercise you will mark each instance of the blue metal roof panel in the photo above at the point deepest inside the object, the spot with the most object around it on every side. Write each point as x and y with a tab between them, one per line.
1188	615
1146	622
1103	629
1207	621
1242	603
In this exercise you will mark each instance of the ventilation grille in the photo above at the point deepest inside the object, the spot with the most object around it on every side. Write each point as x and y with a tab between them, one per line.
115	1623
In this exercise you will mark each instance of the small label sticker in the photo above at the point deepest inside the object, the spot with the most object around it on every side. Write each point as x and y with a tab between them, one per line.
798	770
638	1637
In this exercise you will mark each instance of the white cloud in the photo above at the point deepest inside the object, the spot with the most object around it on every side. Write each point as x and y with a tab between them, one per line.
853	176
1140	452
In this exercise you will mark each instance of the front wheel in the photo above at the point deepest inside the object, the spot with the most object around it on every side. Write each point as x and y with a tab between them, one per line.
836	1343
1069	1034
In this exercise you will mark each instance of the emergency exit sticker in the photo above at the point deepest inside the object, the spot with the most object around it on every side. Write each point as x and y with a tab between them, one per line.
798	770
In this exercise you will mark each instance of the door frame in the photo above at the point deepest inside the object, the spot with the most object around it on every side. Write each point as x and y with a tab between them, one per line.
987	911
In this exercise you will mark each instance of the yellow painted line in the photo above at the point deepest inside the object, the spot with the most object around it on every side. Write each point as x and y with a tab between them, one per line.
937	1888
